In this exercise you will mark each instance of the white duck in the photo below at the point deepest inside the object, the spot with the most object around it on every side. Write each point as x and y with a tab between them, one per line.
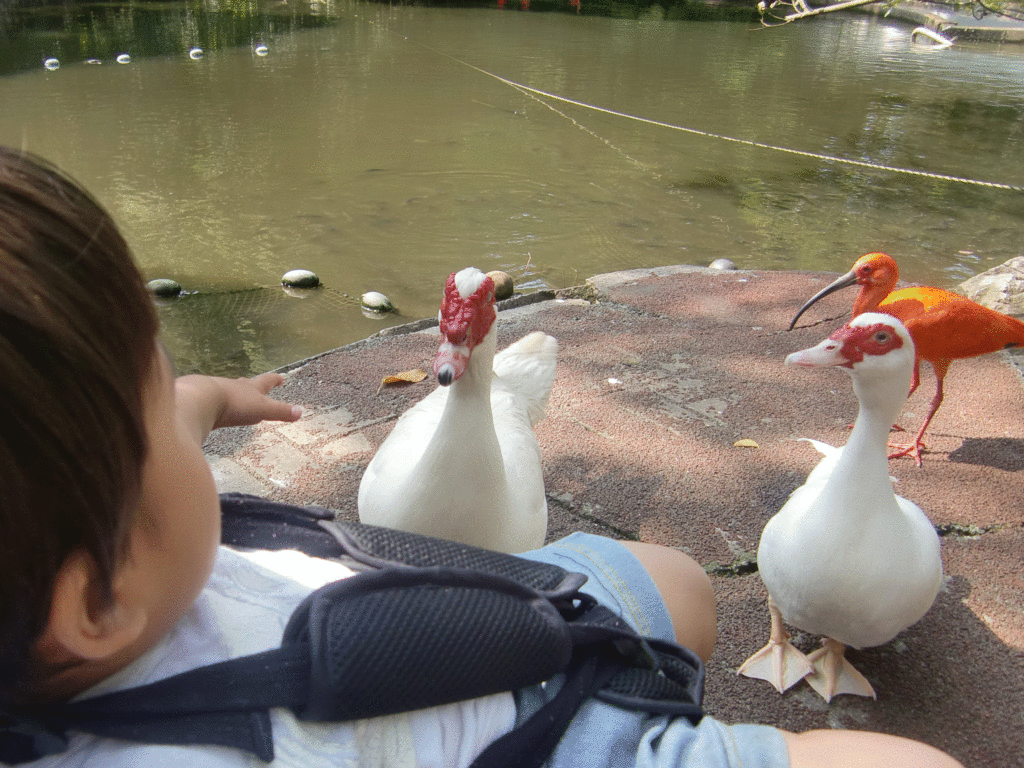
463	464
846	557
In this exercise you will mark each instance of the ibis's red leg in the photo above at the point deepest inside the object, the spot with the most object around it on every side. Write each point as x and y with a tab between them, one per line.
914	448
916	381
914	384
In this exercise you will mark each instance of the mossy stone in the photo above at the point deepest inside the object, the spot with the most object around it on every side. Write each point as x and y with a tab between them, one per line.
164	287
376	302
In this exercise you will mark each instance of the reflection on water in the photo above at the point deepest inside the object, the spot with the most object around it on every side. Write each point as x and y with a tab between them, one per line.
384	147
98	33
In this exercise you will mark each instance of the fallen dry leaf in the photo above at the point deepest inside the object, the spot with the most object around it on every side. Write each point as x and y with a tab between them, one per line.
745	443
405	377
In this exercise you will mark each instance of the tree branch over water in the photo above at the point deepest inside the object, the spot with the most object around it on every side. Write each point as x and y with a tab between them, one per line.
774	12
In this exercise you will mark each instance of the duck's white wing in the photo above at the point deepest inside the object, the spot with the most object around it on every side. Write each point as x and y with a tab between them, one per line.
524	475
822	470
929	550
527	368
398	456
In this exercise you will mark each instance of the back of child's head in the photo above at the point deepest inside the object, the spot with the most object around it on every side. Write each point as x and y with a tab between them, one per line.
77	330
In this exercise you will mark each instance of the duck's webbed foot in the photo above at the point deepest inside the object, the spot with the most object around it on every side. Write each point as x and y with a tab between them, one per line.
833	674
780	662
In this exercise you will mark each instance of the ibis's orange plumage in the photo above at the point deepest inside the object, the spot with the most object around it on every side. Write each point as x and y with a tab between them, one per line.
944	325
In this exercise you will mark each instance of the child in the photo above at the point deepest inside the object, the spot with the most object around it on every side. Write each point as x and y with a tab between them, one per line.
112	576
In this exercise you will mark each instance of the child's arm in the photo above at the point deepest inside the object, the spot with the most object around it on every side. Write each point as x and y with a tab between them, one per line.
206	403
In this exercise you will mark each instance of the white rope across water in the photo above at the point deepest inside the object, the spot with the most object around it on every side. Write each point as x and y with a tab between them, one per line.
747	142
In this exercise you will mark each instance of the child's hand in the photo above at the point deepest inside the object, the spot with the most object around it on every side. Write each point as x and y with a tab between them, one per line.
247	402
206	403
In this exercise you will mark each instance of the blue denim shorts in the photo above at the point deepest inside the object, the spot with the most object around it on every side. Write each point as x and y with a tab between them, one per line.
603	736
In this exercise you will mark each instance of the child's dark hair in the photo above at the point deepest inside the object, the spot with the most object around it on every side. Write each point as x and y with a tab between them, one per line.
77	329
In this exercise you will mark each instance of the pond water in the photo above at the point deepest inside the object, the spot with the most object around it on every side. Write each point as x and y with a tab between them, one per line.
384	147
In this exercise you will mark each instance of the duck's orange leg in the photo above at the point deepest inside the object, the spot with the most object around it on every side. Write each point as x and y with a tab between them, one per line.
779	662
834	674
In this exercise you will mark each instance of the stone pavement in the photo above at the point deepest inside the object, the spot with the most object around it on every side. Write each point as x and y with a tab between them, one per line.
661	372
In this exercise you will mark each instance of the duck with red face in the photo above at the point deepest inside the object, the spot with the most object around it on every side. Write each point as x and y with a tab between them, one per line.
845	557
464	463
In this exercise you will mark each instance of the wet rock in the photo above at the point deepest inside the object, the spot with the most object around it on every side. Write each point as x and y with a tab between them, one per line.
164	288
374	301
300	278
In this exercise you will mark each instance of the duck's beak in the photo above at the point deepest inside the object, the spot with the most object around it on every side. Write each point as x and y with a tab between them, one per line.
826	354
450	362
850	278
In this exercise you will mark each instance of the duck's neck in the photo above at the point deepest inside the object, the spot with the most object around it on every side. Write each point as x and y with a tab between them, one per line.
465	438
457	488
864	461
473	388
464	456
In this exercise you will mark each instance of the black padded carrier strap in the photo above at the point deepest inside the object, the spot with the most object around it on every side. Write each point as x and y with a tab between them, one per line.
374	644
255	523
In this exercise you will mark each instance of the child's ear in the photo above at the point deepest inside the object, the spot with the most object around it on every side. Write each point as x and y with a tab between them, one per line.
82	622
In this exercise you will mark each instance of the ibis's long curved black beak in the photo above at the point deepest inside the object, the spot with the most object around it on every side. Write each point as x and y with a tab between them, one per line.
850	278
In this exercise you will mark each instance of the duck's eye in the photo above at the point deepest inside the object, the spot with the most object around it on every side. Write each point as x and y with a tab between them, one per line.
882	337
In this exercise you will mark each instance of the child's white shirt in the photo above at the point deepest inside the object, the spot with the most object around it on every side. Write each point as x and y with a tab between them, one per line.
243	610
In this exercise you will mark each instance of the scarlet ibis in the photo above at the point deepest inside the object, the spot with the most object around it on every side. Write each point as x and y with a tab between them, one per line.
464	464
945	326
845	557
